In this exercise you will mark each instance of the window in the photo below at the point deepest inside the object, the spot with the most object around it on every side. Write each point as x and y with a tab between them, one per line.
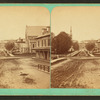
38	43
33	45
45	42
42	43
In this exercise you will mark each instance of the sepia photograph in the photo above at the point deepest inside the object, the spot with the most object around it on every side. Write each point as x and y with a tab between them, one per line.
24	47
75	47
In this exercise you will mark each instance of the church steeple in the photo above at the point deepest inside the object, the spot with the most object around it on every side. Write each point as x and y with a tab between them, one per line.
71	31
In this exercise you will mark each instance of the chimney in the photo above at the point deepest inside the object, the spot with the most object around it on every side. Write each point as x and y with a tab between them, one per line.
48	29
44	31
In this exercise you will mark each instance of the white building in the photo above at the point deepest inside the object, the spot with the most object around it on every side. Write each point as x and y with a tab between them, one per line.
21	46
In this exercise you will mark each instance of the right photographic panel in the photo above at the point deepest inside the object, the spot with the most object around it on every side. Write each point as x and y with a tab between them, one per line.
75	47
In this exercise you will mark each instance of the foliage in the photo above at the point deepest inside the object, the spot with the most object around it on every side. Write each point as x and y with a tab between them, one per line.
90	46
9	45
61	43
75	45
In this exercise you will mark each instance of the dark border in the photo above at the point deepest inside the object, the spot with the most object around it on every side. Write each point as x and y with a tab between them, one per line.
49	1
49	98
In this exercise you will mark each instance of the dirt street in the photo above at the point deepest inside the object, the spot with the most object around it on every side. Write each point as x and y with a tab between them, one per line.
20	73
76	74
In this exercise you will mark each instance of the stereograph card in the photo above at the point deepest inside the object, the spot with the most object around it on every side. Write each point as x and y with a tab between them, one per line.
49	49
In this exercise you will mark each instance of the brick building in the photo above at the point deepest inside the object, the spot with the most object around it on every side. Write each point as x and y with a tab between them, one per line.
43	44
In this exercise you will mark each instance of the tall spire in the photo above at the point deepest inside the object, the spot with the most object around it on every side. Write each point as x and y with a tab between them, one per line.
71	31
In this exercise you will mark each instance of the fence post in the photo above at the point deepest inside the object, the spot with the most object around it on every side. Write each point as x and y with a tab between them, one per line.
48	69
44	68
40	67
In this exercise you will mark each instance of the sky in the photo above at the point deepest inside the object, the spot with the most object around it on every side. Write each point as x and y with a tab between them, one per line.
84	20
13	20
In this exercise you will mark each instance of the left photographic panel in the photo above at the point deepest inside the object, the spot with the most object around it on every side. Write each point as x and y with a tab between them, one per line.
24	47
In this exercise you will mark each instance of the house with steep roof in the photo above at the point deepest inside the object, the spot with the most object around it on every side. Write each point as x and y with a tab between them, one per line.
31	33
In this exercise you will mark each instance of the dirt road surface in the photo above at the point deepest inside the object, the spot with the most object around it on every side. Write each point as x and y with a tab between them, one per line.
76	74
20	73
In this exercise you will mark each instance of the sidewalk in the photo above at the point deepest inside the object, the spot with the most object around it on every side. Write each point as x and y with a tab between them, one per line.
1	58
58	60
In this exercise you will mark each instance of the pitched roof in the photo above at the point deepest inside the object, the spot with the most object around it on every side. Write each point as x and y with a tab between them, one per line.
34	30
41	36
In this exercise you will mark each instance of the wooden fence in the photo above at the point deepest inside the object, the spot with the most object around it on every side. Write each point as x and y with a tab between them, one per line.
42	67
